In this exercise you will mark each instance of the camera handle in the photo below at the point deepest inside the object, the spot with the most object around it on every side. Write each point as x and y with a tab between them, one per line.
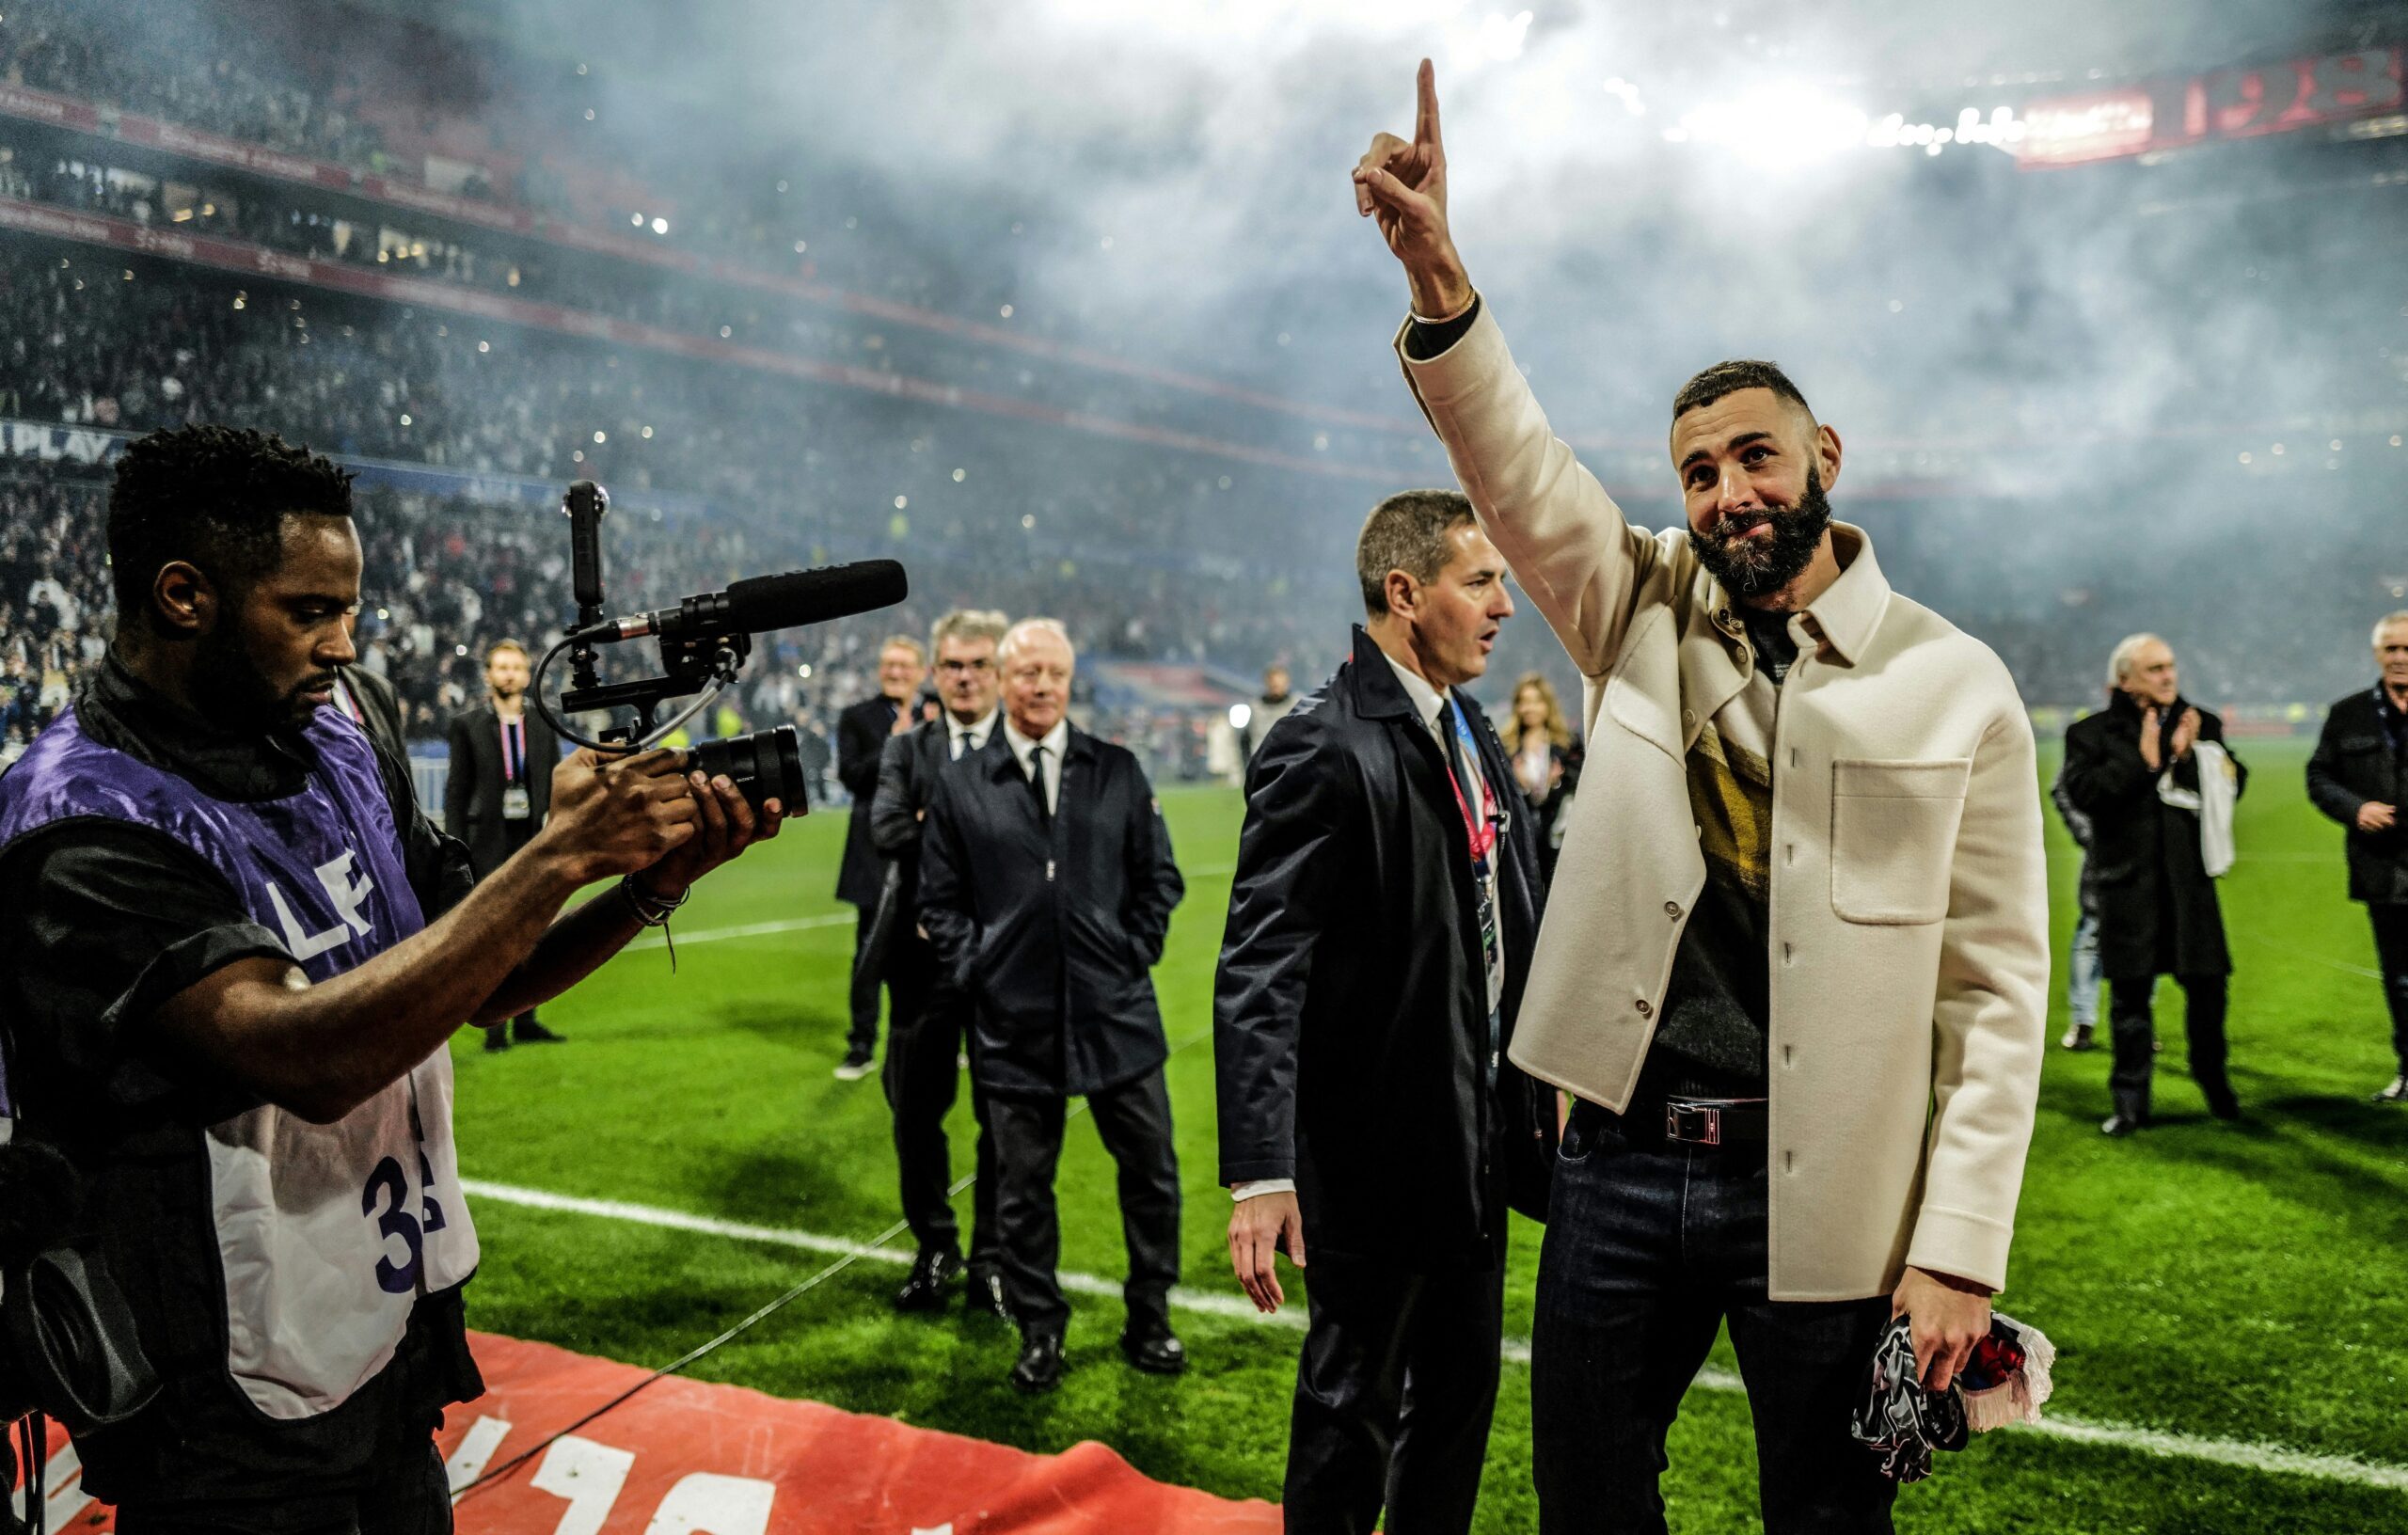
688	672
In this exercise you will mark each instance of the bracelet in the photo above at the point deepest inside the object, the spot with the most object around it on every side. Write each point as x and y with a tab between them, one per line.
651	910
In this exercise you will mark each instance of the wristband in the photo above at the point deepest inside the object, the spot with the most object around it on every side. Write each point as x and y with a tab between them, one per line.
651	910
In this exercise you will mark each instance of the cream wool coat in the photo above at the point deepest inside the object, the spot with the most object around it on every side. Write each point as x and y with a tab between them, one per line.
1908	924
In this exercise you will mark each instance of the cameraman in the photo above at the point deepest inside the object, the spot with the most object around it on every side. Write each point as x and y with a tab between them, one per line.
231	953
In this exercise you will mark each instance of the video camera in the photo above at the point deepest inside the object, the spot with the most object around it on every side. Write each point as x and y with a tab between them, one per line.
704	643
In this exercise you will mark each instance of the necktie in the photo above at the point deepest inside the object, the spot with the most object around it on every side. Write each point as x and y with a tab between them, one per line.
960	740
1037	784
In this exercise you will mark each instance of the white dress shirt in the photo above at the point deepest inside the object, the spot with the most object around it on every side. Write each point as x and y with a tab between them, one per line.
963	739
1053	741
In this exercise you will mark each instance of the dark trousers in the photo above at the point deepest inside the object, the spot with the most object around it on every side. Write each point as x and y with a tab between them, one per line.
1649	1249
413	1500
2134	1026
1394	1394
860	1037
2391	956
922	1077
514	835
1134	1121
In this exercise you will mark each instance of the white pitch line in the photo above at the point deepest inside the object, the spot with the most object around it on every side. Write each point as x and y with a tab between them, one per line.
2246	1455
833	919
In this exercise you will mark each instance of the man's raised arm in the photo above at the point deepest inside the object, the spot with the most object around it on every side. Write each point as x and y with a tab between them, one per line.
1564	538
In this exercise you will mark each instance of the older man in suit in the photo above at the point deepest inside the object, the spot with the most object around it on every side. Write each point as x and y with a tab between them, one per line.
498	789
2135	769
2359	777
1805	1036
862	733
1047	885
1379	935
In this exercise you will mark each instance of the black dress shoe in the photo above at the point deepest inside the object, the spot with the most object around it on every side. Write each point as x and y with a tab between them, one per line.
533	1033
984	1295
2223	1105
2120	1125
1156	1351
1039	1365
497	1038
932	1274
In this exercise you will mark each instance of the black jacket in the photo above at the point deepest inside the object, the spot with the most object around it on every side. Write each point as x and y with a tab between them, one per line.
2354	762
862	733
2156	907
907	776
380	708
472	786
2078	827
1350	1021
1054	932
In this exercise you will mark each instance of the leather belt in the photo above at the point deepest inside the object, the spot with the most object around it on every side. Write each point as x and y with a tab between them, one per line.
1698	1121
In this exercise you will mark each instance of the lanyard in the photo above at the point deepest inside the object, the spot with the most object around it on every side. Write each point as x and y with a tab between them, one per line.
514	749
1480	832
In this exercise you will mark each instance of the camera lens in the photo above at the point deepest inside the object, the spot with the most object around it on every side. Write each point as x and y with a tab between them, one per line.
766	765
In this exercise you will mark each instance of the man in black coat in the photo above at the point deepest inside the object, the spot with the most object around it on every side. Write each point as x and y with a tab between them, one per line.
1047	885
862	733
1380	929
2127	768
924	1045
2359	776
498	789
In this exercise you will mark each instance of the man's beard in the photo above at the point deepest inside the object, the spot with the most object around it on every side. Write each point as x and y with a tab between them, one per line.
231	693
1748	569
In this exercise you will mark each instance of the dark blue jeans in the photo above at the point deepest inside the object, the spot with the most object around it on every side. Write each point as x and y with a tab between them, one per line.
1649	1248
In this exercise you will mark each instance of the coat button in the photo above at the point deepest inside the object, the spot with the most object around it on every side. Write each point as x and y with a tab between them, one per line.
1673	909
1689	717
1645	1010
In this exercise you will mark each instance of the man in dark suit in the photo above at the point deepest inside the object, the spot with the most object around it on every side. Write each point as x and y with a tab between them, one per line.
923	1044
498	789
2136	769
1047	885
2359	777
862	733
1381	924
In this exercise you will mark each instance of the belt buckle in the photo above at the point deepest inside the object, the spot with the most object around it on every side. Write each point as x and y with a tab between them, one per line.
1679	1117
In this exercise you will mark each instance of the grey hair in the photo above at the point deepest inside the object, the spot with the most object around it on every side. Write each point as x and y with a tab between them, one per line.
1018	635
1408	533
968	624
2388	621
2120	660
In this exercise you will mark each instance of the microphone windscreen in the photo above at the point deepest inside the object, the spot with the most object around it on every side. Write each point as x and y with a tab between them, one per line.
760	603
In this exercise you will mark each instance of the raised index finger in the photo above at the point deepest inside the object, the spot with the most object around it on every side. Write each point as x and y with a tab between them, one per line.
1425	119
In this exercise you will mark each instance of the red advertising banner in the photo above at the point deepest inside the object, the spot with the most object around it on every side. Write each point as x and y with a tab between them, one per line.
689	1458
2228	104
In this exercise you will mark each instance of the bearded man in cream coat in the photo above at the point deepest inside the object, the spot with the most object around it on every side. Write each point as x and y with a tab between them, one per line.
1794	965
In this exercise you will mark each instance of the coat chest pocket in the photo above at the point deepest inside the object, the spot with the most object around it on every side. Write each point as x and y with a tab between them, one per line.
1894	838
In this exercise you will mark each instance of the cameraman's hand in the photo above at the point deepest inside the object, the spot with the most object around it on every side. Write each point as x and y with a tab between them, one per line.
728	827
617	814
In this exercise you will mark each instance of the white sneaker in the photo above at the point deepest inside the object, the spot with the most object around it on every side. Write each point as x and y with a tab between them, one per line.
2397	1092
855	1066
2077	1037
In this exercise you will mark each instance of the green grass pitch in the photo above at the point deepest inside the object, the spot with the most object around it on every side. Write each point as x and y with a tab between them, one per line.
2212	1282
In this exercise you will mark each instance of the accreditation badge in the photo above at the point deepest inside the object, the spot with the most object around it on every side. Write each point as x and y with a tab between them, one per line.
515	805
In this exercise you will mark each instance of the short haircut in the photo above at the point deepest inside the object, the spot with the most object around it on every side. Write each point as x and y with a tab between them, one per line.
903	642
503	644
2128	649
1731	377
966	624
2388	621
1408	533
1018	635
216	497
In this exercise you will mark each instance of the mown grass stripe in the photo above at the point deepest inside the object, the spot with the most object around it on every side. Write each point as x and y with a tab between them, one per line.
2248	1455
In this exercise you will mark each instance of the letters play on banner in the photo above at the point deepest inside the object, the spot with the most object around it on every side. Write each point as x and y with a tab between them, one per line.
689	1458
